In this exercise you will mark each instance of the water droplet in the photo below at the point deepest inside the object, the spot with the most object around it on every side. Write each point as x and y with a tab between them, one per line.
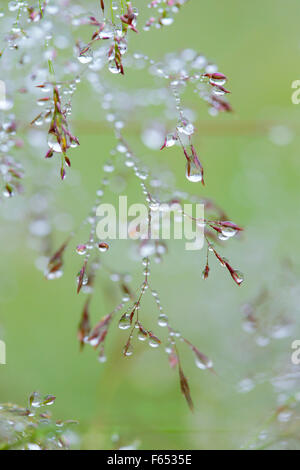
128	350
49	400
154	204
121	148
162	320
218	91
32	446
193	172
284	416
229	231
186	128
238	277
36	400
8	192
169	348
282	331
103	247
106	34
81	249
108	167
245	386
113	68
123	47
222	237
203	364
13	6
84	281
217	81
147	248
142	335
154	342
249	326
124	322
102	357
166	21
262	341
54	275
86	57
53	143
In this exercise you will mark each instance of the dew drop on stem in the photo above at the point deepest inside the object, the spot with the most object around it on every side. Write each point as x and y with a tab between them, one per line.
162	320
81	249
125	322
86	57
193	172
53	143
103	247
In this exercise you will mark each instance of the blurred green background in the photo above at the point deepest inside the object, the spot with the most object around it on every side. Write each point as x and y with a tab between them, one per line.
252	168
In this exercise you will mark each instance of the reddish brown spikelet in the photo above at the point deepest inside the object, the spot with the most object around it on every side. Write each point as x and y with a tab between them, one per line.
56	261
234	274
97	337
81	277
100	331
67	160
230	225
185	389
142	330
215	75
221	105
128	18
206	271
155	338
49	399
49	154
62	173
220	87
84	325
93	21
197	163
9	190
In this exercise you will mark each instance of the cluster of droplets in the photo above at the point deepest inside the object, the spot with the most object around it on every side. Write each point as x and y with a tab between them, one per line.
265	317
33	428
181	70
164	11
127	322
11	171
207	82
270	321
112	34
118	105
93	245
